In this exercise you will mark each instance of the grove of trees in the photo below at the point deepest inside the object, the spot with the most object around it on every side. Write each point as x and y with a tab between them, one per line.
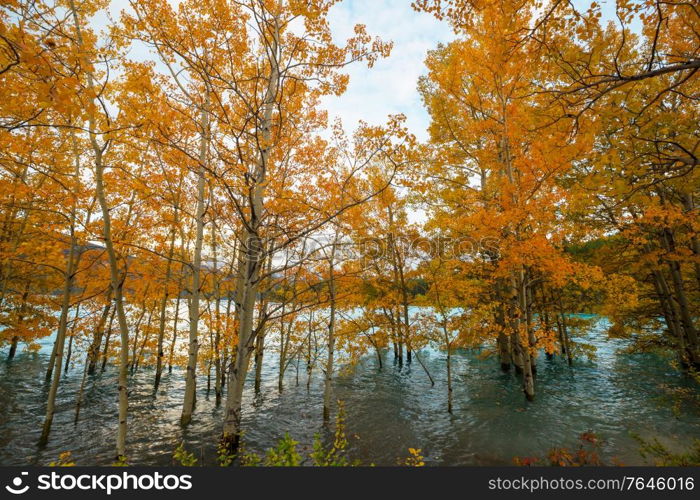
198	210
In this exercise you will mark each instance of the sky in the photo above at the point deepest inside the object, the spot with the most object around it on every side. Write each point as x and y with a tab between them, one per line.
387	88
390	86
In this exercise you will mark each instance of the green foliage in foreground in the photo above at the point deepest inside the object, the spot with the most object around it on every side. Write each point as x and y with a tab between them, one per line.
286	454
184	457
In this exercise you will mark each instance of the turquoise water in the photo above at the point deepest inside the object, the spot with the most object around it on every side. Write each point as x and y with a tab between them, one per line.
388	410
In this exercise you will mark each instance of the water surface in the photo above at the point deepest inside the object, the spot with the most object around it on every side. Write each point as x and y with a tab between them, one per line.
388	410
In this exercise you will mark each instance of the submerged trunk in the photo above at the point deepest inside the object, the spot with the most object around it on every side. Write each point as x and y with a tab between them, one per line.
260	338
52	361
66	364
137	330
259	351
70	340
284	361
145	339
13	347
686	318
163	309
54	371
116	279
191	373
328	375
251	255
448	346
107	338
175	321
81	390
532	341
544	315
217	356
252	252
670	314
668	243
117	283
565	332
217	318
449	379
516	355
504	346
60	338
239	365
94	350
521	339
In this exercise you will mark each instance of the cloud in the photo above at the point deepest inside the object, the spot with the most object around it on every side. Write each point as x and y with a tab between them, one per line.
390	86
373	94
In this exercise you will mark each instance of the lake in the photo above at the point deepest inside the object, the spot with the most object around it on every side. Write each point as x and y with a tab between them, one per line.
388	410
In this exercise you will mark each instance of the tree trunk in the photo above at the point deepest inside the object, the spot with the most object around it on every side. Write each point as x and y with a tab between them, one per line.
52	361
532	341
107	337
379	357
60	343
246	295
686	318
94	350
163	311
565	331
116	279
175	321
259	346
191	374
117	283
79	397
544	314
137	331
504	347
328	375
522	347
62	327
13	348
689	205
54	371
145	339
252	256
70	340
449	378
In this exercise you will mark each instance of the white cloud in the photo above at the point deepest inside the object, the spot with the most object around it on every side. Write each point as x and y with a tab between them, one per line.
390	86
373	94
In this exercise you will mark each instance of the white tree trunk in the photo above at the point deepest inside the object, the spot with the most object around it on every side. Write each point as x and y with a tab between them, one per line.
191	373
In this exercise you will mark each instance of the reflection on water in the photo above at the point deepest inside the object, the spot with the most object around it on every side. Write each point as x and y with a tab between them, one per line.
387	411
